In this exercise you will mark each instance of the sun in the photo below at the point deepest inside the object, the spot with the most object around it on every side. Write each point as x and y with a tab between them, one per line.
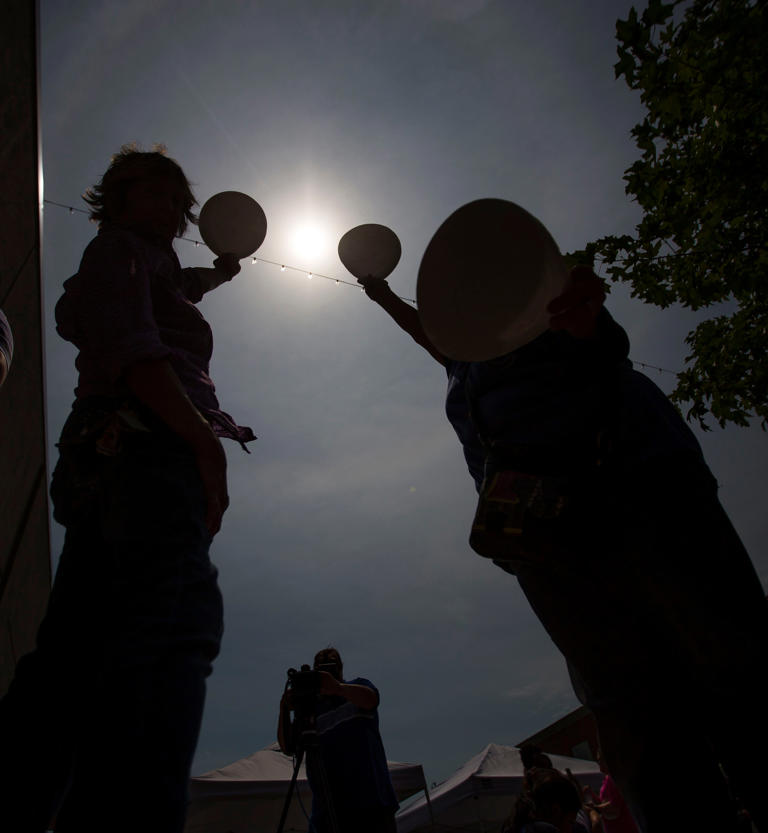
310	239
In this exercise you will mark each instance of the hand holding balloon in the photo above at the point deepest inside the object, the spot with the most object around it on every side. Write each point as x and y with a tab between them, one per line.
375	288
227	264
575	310
370	252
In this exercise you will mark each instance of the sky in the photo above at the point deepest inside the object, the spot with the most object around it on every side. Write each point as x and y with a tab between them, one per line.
349	520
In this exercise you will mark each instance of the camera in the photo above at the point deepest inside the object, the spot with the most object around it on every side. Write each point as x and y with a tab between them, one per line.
303	690
304	685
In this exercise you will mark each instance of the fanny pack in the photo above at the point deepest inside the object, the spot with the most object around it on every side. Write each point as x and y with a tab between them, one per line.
97	438
519	514
527	494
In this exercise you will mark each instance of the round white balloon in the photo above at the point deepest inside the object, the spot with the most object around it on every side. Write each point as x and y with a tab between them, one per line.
232	222
370	251
485	281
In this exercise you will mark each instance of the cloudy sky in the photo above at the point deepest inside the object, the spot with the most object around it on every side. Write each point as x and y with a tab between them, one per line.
349	520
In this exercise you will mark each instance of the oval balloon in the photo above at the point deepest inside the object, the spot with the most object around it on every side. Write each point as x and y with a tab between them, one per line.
370	251
485	280
232	222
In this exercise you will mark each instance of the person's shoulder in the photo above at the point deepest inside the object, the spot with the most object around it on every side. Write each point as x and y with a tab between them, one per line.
114	246
365	682
112	242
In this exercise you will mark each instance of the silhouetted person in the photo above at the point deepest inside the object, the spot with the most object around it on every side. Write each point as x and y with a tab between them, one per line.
6	347
549	803
532	756
100	723
349	750
676	638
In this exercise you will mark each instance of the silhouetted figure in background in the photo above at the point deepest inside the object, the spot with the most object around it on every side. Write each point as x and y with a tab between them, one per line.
677	638
534	760
101	721
532	756
549	803
350	751
6	347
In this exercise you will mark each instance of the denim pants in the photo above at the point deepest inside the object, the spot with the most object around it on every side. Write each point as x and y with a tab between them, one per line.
655	604
100	724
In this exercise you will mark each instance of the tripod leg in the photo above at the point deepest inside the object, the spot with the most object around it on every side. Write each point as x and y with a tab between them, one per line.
287	803
319	767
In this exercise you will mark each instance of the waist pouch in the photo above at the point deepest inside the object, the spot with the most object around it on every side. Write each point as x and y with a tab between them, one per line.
94	442
526	502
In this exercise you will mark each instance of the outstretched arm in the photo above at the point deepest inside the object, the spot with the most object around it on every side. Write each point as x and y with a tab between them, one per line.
225	267
359	695
403	314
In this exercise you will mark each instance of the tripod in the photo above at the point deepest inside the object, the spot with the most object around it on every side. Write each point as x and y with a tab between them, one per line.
307	741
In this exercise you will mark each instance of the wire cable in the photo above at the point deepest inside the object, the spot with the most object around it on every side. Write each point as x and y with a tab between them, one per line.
311	274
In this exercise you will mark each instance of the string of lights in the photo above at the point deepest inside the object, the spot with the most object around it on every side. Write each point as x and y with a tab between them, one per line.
254	260
287	267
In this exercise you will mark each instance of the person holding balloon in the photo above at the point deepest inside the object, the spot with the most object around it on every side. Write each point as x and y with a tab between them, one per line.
591	486
116	684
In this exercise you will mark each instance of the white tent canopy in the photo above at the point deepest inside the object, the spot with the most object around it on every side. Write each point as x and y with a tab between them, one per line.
247	796
480	794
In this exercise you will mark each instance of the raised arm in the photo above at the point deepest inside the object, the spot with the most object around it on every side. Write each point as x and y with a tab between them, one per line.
403	314
358	695
198	280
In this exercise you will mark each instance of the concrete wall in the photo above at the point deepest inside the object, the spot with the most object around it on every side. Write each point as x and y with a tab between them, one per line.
25	563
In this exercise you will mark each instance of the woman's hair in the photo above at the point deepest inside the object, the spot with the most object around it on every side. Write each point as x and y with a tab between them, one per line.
130	165
543	791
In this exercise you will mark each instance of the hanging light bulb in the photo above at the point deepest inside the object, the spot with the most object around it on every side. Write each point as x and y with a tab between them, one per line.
282	268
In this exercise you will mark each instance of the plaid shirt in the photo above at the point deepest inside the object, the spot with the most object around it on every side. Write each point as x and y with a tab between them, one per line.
131	301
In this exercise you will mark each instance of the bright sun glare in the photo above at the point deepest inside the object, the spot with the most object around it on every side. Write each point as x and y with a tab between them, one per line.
310	240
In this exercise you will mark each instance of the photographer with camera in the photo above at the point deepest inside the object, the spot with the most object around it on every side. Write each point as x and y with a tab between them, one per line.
337	724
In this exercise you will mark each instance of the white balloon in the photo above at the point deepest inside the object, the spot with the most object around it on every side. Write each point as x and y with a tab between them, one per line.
485	281
370	251
233	222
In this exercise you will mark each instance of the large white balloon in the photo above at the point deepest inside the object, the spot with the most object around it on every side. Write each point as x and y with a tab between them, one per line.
485	281
370	251
233	222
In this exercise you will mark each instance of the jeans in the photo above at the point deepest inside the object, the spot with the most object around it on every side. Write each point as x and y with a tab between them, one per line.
100	723
655	604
